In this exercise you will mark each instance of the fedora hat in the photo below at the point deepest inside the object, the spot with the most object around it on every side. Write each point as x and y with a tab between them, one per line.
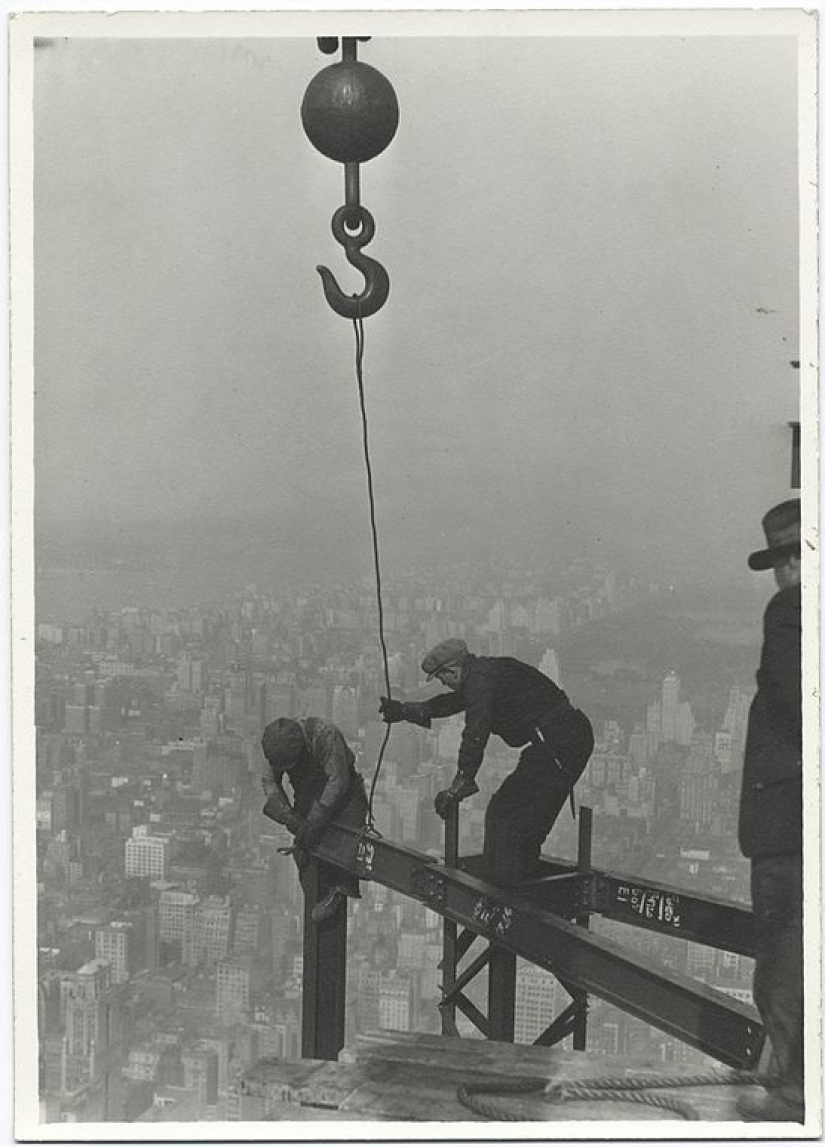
781	526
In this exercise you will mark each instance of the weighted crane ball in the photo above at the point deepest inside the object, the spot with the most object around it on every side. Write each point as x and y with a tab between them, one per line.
350	112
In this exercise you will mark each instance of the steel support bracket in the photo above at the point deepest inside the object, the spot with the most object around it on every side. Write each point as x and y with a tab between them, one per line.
427	884
593	893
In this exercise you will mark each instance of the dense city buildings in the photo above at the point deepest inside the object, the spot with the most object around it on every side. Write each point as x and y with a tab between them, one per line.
169	926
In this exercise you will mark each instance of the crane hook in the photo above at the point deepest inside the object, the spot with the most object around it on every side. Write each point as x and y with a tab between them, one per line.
377	281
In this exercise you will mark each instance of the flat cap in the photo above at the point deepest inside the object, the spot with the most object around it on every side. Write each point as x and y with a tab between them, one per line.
450	652
283	743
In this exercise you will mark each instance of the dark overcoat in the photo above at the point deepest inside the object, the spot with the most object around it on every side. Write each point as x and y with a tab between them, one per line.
770	808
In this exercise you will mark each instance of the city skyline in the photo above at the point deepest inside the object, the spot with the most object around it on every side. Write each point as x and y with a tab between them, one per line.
159	879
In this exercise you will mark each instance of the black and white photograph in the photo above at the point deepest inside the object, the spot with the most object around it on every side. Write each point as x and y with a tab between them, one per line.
415	575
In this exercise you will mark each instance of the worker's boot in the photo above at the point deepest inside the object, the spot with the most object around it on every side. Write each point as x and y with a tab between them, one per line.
328	905
770	1107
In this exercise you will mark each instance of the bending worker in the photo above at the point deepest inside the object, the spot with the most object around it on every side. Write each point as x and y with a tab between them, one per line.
320	766
528	711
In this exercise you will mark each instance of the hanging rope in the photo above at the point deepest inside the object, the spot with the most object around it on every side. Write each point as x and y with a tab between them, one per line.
358	326
482	1098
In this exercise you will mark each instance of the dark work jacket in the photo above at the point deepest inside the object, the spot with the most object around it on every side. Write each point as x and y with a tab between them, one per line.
770	808
325	783
503	696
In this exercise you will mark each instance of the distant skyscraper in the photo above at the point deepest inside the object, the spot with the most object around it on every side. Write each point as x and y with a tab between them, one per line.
146	855
233	988
396	1001
698	797
723	751
638	746
676	717
670	706
114	943
200	1073
535	1001
176	916
736	717
369	1016
89	982
93	1036
284	933
209	938
65	806
248	931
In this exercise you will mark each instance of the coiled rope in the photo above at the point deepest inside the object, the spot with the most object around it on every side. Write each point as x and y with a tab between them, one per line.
481	1098
358	326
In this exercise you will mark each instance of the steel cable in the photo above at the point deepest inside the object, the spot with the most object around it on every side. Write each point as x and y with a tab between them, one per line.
358	326
483	1098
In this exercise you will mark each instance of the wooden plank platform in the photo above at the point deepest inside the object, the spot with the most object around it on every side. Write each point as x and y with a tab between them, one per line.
414	1078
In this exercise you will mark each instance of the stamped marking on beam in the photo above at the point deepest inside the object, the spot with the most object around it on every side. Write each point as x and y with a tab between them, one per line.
364	857
492	917
650	903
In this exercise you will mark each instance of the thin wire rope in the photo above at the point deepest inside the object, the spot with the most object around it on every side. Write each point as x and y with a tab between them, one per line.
358	326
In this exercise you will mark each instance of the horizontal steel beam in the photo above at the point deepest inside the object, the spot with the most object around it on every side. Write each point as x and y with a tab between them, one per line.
566	890
709	1020
672	911
662	908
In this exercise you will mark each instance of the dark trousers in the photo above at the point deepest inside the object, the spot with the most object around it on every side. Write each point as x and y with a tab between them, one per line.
776	893
524	809
329	873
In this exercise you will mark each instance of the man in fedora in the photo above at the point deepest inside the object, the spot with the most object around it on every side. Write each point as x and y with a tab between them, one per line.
320	766
528	711
770	821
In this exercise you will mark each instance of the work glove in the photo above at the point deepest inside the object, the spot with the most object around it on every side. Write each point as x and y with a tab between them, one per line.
392	711
311	829
412	711
460	788
277	807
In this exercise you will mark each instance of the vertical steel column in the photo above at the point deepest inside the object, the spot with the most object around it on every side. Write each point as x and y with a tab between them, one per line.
501	969
501	994
449	958
584	864
323	1010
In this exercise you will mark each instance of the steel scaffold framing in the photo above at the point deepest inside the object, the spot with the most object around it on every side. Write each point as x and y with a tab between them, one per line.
514	923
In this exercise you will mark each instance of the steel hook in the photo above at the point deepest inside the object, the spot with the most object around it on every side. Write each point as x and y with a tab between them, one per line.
377	281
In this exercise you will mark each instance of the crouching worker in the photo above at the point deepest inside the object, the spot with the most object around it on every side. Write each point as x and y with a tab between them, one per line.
528	711
320	767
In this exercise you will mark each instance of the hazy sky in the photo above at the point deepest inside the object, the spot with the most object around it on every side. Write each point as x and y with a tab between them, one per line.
582	236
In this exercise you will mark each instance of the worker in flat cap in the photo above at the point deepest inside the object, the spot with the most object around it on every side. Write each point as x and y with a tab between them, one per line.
320	766
770	820
528	711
